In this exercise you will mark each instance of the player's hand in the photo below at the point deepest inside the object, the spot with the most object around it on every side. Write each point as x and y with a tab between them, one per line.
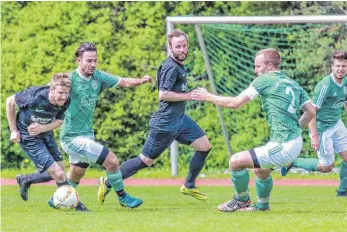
315	142
146	79
35	129
15	136
200	94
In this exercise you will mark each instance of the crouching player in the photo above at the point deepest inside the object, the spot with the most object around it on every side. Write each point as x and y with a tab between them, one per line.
41	110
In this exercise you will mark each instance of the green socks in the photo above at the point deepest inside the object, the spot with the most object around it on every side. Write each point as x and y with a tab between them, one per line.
240	181
309	164
116	180
71	183
264	188
343	177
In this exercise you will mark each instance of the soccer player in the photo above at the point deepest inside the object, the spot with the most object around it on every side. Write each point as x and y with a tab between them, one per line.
282	98
328	133
41	110
170	122
77	135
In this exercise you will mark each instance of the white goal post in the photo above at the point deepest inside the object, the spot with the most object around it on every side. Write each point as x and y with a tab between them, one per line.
197	20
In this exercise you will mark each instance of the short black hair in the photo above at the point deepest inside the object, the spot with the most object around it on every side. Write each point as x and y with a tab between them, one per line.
85	47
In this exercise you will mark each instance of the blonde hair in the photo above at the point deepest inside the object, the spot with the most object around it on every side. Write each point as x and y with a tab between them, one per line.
60	79
176	33
272	56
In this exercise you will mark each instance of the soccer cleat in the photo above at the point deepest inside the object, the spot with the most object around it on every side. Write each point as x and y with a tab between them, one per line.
233	205
51	204
194	192
253	208
285	169
24	186
129	201
341	194
102	190
81	208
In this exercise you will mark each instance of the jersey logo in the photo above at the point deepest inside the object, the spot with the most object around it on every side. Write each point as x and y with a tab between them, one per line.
94	84
335	94
39	110
339	103
184	86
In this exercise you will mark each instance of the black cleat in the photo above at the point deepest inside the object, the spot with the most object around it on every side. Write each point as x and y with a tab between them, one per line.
81	208
24	186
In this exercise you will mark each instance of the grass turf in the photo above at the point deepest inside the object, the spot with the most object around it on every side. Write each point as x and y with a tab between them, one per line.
166	209
166	173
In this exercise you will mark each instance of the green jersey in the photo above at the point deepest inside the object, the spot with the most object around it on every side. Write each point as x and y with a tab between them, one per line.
329	97
282	98
84	94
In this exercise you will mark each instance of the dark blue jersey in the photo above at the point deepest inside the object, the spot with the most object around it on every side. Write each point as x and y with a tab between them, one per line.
34	107
171	76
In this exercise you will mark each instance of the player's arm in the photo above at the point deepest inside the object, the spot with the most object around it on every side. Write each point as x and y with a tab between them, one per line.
132	82
201	94
309	113
170	96
11	117
314	135
36	128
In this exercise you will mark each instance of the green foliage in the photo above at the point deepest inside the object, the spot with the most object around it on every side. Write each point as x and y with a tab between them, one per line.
40	38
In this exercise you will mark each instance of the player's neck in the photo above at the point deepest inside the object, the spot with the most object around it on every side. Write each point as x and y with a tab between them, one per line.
337	80
81	74
181	62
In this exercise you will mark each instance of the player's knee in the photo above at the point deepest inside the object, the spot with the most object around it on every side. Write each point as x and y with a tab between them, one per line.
325	169
262	174
233	163
146	160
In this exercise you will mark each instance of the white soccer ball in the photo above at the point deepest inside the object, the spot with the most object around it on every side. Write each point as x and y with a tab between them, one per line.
66	198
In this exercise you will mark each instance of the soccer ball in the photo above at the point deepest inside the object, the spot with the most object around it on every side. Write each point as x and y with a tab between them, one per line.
66	198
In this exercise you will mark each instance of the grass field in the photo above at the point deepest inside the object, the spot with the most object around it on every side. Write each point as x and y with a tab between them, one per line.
166	209
166	173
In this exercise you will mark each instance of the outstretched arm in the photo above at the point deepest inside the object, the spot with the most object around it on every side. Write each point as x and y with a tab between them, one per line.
11	117
308	115
171	96
201	94
132	82
314	135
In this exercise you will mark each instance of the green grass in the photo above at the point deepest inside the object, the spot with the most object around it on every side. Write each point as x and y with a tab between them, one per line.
166	173
166	209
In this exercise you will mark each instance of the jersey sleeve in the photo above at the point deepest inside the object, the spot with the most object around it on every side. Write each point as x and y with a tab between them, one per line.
25	98
320	94
167	78
108	80
260	84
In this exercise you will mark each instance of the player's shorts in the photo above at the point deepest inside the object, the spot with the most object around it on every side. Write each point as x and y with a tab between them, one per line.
158	139
332	140
42	151
84	150
275	154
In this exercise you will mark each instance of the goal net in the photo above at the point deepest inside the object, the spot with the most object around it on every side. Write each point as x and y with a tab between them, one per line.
305	44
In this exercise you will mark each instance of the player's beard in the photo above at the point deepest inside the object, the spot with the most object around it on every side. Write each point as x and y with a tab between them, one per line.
180	56
262	72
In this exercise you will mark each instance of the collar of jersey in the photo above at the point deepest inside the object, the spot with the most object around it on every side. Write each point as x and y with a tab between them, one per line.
82	76
332	77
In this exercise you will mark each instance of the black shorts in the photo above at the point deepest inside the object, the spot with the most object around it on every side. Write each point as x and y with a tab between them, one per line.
158	140
42	151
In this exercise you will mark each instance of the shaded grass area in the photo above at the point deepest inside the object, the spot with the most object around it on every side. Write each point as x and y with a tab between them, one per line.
166	173
166	209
